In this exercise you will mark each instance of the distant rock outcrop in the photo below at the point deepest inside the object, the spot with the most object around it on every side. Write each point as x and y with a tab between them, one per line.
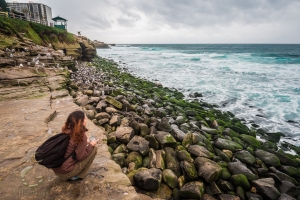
100	45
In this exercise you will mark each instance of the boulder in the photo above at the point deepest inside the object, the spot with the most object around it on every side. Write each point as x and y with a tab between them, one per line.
189	170
209	130
208	169
245	157
139	144
152	158
113	102
124	134
180	120
183	155
199	151
160	159
160	112
240	168
284	159
144	130
227	144
283	176
250	140
170	178
164	125
285	197
153	143
228	197
115	121
172	162
226	186
213	189
266	188
148	179
192	190
165	139
102	115
136	158
241	180
111	110
268	158
177	133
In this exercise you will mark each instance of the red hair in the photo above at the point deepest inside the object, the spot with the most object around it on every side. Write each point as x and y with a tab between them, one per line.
74	126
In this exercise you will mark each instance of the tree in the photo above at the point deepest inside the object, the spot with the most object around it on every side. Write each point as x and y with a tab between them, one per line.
3	5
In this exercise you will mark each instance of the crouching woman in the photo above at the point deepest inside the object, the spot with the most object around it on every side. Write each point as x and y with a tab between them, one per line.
78	163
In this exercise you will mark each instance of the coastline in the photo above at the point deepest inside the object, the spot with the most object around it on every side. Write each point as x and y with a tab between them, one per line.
162	120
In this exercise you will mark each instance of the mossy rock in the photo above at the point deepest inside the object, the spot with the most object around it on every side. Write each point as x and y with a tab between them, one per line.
120	149
170	178
240	180
250	140
268	158
131	174
183	155
136	158
225	174
227	144
245	157
239	130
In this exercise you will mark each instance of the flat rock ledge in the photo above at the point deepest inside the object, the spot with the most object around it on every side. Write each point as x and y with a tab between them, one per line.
26	122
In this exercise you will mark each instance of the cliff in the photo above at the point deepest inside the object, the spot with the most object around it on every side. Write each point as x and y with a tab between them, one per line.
100	45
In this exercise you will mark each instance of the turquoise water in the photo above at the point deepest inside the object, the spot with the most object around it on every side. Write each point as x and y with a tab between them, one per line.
257	82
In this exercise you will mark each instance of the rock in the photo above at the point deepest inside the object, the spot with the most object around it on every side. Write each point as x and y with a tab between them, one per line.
115	121
240	168
113	102
200	151
189	170
250	140
102	115
228	197
89	113
245	157
208	169
240	193
285	197
253	196
82	100
88	92
124	134
170	178
190	113
208	197
227	144
291	171
164	125
241	180
228	153
283	176
119	158
136	158
226	186
213	189
268	158
144	130
185	127
148	179
266	188
225	175
180	120
153	143
111	110
102	121
120	149
284	159
177	133
222	155
101	106
153	130
160	159
183	155
165	139
171	161
160	112
152	158
209	130
139	144
192	190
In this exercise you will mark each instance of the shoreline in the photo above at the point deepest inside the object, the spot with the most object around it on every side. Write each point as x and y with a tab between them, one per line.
159	118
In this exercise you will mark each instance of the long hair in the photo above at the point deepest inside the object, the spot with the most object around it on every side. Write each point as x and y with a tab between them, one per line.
74	125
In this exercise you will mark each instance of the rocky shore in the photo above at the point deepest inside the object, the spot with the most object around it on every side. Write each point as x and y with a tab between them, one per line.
171	148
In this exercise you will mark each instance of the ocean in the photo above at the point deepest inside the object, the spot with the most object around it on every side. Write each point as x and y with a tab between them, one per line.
257	82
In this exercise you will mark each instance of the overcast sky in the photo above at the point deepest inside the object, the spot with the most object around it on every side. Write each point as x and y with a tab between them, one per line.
181	21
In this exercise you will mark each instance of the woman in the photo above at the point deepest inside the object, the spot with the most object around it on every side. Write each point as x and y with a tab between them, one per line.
77	166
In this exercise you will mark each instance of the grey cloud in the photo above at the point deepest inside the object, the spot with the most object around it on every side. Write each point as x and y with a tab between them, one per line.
128	19
96	21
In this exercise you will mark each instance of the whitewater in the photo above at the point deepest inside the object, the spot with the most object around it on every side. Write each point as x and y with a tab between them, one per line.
259	83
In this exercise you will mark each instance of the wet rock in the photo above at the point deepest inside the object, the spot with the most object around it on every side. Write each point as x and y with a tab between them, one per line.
285	197
226	186
124	134
199	151
189	170
209	130
180	120
253	196
165	139
222	155
284	159
170	178
240	193
283	176
148	179
213	189
139	144
225	175
192	190
286	187
250	140
208	169
291	171
227	144
268	158
190	113
245	157
164	125
171	161
177	133
241	180
240	168
266	188
113	102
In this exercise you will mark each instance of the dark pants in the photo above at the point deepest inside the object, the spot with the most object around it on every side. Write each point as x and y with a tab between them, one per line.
81	168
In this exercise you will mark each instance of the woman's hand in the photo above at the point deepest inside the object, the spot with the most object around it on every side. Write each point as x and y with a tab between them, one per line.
94	142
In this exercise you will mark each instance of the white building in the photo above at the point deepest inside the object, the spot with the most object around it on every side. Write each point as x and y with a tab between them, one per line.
36	12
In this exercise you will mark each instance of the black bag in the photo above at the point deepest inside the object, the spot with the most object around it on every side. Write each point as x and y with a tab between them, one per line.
51	153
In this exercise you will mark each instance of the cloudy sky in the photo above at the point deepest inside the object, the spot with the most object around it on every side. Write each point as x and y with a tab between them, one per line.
181	21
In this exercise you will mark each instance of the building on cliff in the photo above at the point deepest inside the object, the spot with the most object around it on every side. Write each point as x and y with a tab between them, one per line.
60	23
35	12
